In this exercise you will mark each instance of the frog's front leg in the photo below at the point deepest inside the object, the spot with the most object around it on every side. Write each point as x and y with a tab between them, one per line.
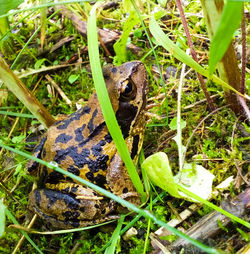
71	206
119	181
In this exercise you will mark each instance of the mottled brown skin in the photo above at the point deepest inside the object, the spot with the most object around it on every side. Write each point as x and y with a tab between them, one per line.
82	145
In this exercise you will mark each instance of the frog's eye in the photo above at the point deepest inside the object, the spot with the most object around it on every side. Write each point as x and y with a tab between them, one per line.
128	90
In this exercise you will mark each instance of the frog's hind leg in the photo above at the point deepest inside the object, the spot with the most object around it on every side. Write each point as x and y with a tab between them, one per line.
69	209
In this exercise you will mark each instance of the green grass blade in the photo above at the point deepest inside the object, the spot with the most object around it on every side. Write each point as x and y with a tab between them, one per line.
43	19
2	217
36	7
66	231
115	237
117	199
8	113
229	22
104	101
178	53
12	218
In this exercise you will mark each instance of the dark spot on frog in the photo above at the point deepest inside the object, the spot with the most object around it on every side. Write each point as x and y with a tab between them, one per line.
37	196
71	215
135	144
82	209
99	163
70	190
54	196
100	180
73	170
90	176
71	224
79	159
75	116
96	131
55	177
108	138
125	190
63	138
90	124
97	206
114	70
68	179
74	189
97	149
79	137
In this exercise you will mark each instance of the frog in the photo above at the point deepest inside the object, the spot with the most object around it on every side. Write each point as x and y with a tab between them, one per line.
81	144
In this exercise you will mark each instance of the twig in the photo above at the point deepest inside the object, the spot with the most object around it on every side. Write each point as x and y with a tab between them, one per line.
59	90
19	244
239	172
208	226
175	222
244	106
193	53
243	56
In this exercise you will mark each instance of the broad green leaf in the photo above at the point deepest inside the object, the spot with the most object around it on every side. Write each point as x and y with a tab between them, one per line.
8	5
173	124
73	78
159	171
196	179
2	217
229	22
39	63
18	139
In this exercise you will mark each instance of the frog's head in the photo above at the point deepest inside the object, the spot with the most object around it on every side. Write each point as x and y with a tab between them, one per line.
127	87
